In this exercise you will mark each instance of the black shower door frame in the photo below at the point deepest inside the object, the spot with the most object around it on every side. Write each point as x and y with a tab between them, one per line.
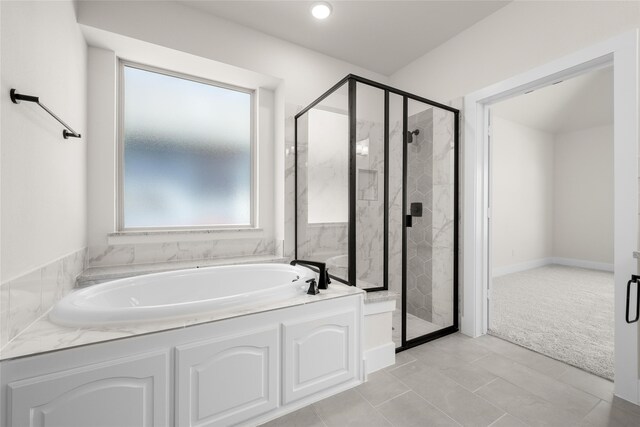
352	80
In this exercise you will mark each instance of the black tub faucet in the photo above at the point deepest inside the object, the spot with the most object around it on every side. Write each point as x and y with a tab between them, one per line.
323	280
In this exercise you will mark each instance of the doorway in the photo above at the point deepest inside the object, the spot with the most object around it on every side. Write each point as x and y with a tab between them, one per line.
551	281
621	53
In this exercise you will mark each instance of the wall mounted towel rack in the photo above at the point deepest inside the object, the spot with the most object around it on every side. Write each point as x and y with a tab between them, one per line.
66	133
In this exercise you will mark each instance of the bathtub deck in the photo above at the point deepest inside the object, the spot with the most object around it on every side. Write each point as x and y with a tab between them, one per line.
44	336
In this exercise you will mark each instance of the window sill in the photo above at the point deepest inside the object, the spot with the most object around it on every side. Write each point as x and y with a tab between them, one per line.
161	236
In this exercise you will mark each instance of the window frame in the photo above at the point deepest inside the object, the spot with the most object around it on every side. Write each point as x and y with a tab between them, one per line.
253	93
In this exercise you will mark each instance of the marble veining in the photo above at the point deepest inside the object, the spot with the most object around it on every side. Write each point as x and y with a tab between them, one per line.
26	298
95	275
420	167
163	252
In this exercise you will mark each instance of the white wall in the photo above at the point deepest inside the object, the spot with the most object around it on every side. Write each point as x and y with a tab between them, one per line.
44	188
583	200
552	197
514	39
306	73
522	194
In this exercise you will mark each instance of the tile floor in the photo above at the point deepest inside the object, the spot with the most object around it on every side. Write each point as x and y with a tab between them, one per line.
486	381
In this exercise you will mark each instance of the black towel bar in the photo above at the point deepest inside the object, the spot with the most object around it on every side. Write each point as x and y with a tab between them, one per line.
66	133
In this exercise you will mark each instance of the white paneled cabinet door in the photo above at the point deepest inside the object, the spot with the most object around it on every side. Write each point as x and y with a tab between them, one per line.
319	353
126	392
227	380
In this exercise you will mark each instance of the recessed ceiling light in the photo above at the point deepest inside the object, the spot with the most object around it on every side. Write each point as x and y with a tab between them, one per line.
321	10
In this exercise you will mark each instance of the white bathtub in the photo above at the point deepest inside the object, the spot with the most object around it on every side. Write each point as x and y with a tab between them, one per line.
175	294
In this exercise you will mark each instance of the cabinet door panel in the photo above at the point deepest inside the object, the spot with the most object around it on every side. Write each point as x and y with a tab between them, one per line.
318	354
227	380
130	391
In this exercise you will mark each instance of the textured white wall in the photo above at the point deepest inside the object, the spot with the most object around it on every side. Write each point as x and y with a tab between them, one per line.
522	193
583	200
44	188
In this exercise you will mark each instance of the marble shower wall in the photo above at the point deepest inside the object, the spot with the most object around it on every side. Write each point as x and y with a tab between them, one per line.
289	178
419	237
430	245
26	298
396	142
318	241
329	241
370	205
430	242
443	217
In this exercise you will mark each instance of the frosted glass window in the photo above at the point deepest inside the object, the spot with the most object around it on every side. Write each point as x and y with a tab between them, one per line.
187	152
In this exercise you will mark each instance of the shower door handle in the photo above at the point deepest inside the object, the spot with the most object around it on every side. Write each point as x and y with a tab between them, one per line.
634	279
416	210
409	221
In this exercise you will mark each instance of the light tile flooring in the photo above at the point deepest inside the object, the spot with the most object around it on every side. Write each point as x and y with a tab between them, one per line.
485	381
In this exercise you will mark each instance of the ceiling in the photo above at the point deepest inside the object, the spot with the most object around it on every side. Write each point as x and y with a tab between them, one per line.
381	36
582	102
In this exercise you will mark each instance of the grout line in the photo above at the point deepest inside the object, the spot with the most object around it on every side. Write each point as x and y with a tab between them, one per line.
503	415
492	381
22	331
429	402
549	378
400	366
313	407
479	359
545	399
432	404
390	399
385	418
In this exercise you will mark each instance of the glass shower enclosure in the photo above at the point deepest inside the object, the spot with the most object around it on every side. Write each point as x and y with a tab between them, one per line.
376	188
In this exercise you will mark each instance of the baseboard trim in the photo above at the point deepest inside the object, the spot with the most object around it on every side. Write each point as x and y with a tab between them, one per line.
379	357
570	262
527	265
592	265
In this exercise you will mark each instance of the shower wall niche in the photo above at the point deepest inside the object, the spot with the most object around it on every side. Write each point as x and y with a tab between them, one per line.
376	191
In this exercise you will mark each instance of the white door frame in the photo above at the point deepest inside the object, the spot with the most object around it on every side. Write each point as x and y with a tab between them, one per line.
622	53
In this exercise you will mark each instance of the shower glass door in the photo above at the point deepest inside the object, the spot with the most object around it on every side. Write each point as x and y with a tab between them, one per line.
428	297
375	196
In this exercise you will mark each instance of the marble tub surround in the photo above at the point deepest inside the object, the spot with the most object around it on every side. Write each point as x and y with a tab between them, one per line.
44	336
163	252
26	298
96	275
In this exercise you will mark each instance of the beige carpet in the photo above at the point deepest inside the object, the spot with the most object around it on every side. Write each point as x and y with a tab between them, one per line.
563	312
